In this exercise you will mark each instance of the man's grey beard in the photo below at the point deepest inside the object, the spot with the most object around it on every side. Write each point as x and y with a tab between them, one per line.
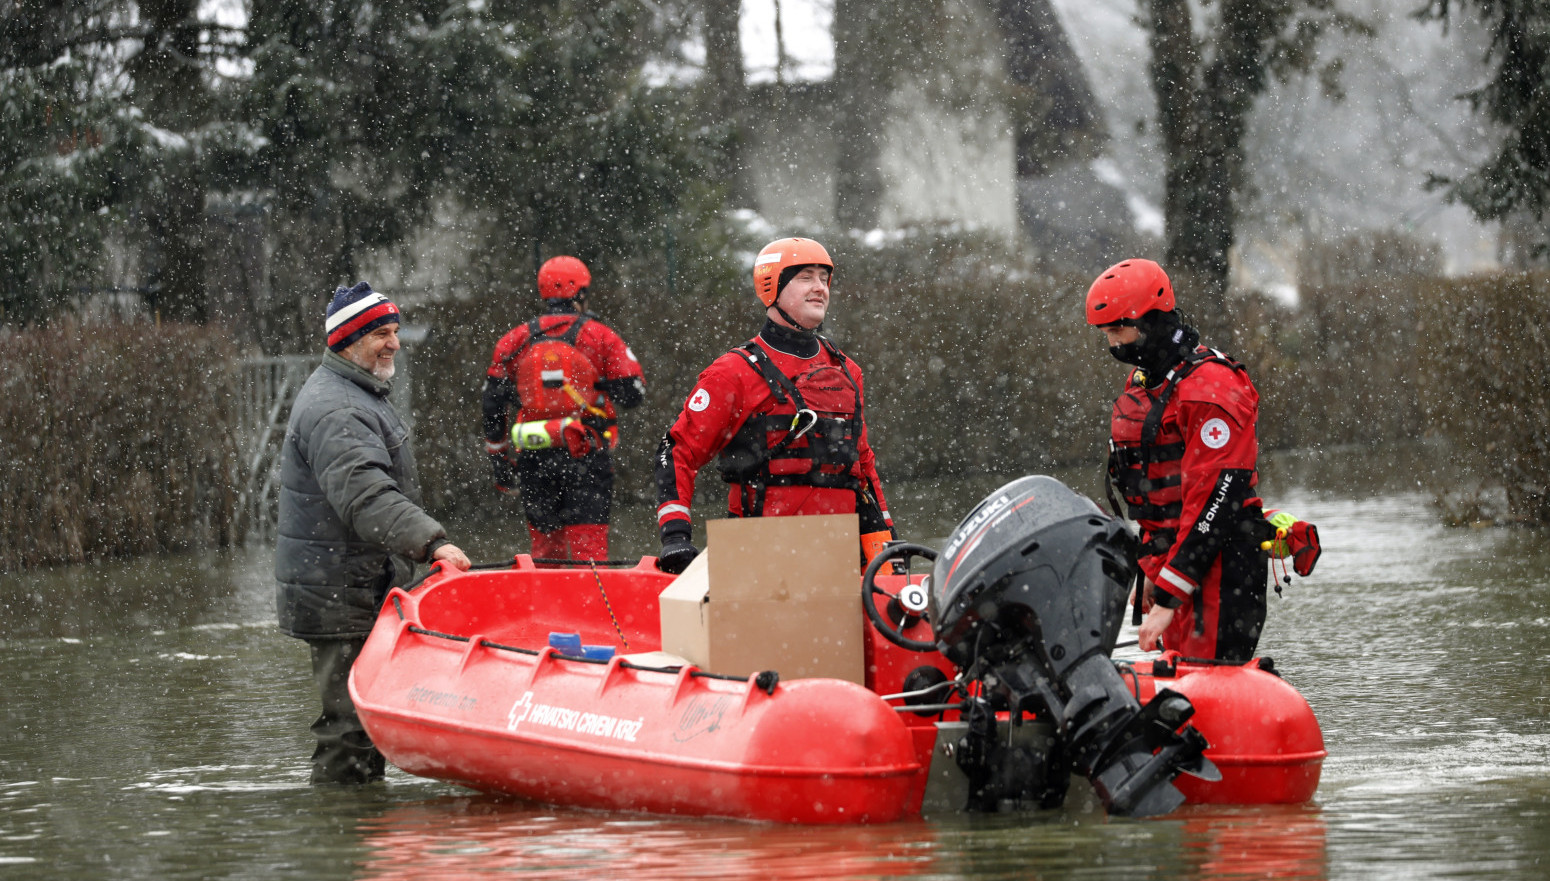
384	373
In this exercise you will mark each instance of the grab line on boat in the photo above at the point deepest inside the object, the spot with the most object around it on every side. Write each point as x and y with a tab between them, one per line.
765	680
417	629
508	648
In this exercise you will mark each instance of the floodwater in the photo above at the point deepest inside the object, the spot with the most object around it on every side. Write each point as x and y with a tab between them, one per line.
154	725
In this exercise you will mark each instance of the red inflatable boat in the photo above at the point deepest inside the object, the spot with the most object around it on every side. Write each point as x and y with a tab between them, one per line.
459	682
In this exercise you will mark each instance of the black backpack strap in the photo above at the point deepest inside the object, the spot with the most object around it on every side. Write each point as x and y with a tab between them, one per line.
840	358
534	329
780	384
572	332
1153	423
537	334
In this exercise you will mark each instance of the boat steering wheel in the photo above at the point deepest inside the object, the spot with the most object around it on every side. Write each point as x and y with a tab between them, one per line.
909	605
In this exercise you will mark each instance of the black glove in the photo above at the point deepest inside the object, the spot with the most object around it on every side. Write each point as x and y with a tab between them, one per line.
500	461
677	551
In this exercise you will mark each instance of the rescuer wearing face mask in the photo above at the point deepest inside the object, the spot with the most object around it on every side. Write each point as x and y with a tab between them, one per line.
1183	455
782	414
549	415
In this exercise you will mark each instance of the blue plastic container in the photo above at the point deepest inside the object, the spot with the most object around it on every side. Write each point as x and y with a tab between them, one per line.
597	652
566	643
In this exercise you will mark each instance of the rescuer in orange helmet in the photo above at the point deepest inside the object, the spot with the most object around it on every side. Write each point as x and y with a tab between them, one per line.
782	414
562	374
1183	454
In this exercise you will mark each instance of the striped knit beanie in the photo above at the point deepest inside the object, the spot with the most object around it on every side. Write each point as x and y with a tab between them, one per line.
356	312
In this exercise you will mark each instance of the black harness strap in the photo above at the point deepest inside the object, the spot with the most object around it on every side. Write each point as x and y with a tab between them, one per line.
745	461
1130	467
537	334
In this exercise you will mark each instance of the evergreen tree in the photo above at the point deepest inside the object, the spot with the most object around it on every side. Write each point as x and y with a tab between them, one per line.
107	114
528	117
1516	179
725	90
874	43
168	88
57	134
349	124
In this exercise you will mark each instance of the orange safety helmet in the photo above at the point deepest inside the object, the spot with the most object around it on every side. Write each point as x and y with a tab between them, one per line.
561	278
780	255
1128	290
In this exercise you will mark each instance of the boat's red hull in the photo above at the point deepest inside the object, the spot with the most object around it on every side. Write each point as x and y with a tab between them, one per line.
458	683
481	712
1264	737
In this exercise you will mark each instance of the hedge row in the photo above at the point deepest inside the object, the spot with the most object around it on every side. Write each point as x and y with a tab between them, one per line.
120	438
1480	365
986	371
115	439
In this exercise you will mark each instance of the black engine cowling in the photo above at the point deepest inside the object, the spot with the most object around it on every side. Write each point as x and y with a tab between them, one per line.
1028	597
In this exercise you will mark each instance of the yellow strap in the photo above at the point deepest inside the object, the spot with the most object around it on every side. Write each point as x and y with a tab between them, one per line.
582	402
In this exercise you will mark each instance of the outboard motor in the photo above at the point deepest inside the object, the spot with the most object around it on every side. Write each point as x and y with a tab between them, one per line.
1028	597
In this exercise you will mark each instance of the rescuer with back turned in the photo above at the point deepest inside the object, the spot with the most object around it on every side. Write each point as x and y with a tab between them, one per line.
562	374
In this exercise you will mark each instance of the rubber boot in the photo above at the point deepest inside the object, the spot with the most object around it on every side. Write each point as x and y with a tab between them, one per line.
345	753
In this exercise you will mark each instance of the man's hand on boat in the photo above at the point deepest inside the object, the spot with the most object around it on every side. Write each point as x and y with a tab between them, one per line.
677	551
450	555
1158	617
1149	635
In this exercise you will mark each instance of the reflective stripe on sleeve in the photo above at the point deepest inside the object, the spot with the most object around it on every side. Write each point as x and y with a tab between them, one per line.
1174	579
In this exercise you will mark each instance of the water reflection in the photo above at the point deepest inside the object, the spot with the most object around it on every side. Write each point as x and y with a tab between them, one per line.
458	837
463	837
1281	841
151	593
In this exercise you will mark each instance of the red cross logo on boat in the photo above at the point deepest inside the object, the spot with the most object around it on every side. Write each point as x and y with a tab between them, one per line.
525	705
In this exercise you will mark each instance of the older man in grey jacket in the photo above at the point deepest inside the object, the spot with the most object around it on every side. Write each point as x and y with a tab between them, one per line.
350	525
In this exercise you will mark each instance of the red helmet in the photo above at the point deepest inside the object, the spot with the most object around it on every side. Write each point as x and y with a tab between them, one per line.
780	255
1128	290
562	278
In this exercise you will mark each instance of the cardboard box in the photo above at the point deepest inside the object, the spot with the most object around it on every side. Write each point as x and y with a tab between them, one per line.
771	593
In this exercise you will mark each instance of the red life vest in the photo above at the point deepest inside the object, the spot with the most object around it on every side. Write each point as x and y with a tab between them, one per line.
555	379
808	437
1146	453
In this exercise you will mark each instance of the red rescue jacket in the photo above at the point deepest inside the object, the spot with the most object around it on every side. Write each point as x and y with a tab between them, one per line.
745	410
1183	455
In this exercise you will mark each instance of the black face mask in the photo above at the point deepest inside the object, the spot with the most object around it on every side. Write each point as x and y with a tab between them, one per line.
1165	339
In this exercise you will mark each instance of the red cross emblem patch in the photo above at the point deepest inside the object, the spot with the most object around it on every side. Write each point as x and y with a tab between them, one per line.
1215	433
